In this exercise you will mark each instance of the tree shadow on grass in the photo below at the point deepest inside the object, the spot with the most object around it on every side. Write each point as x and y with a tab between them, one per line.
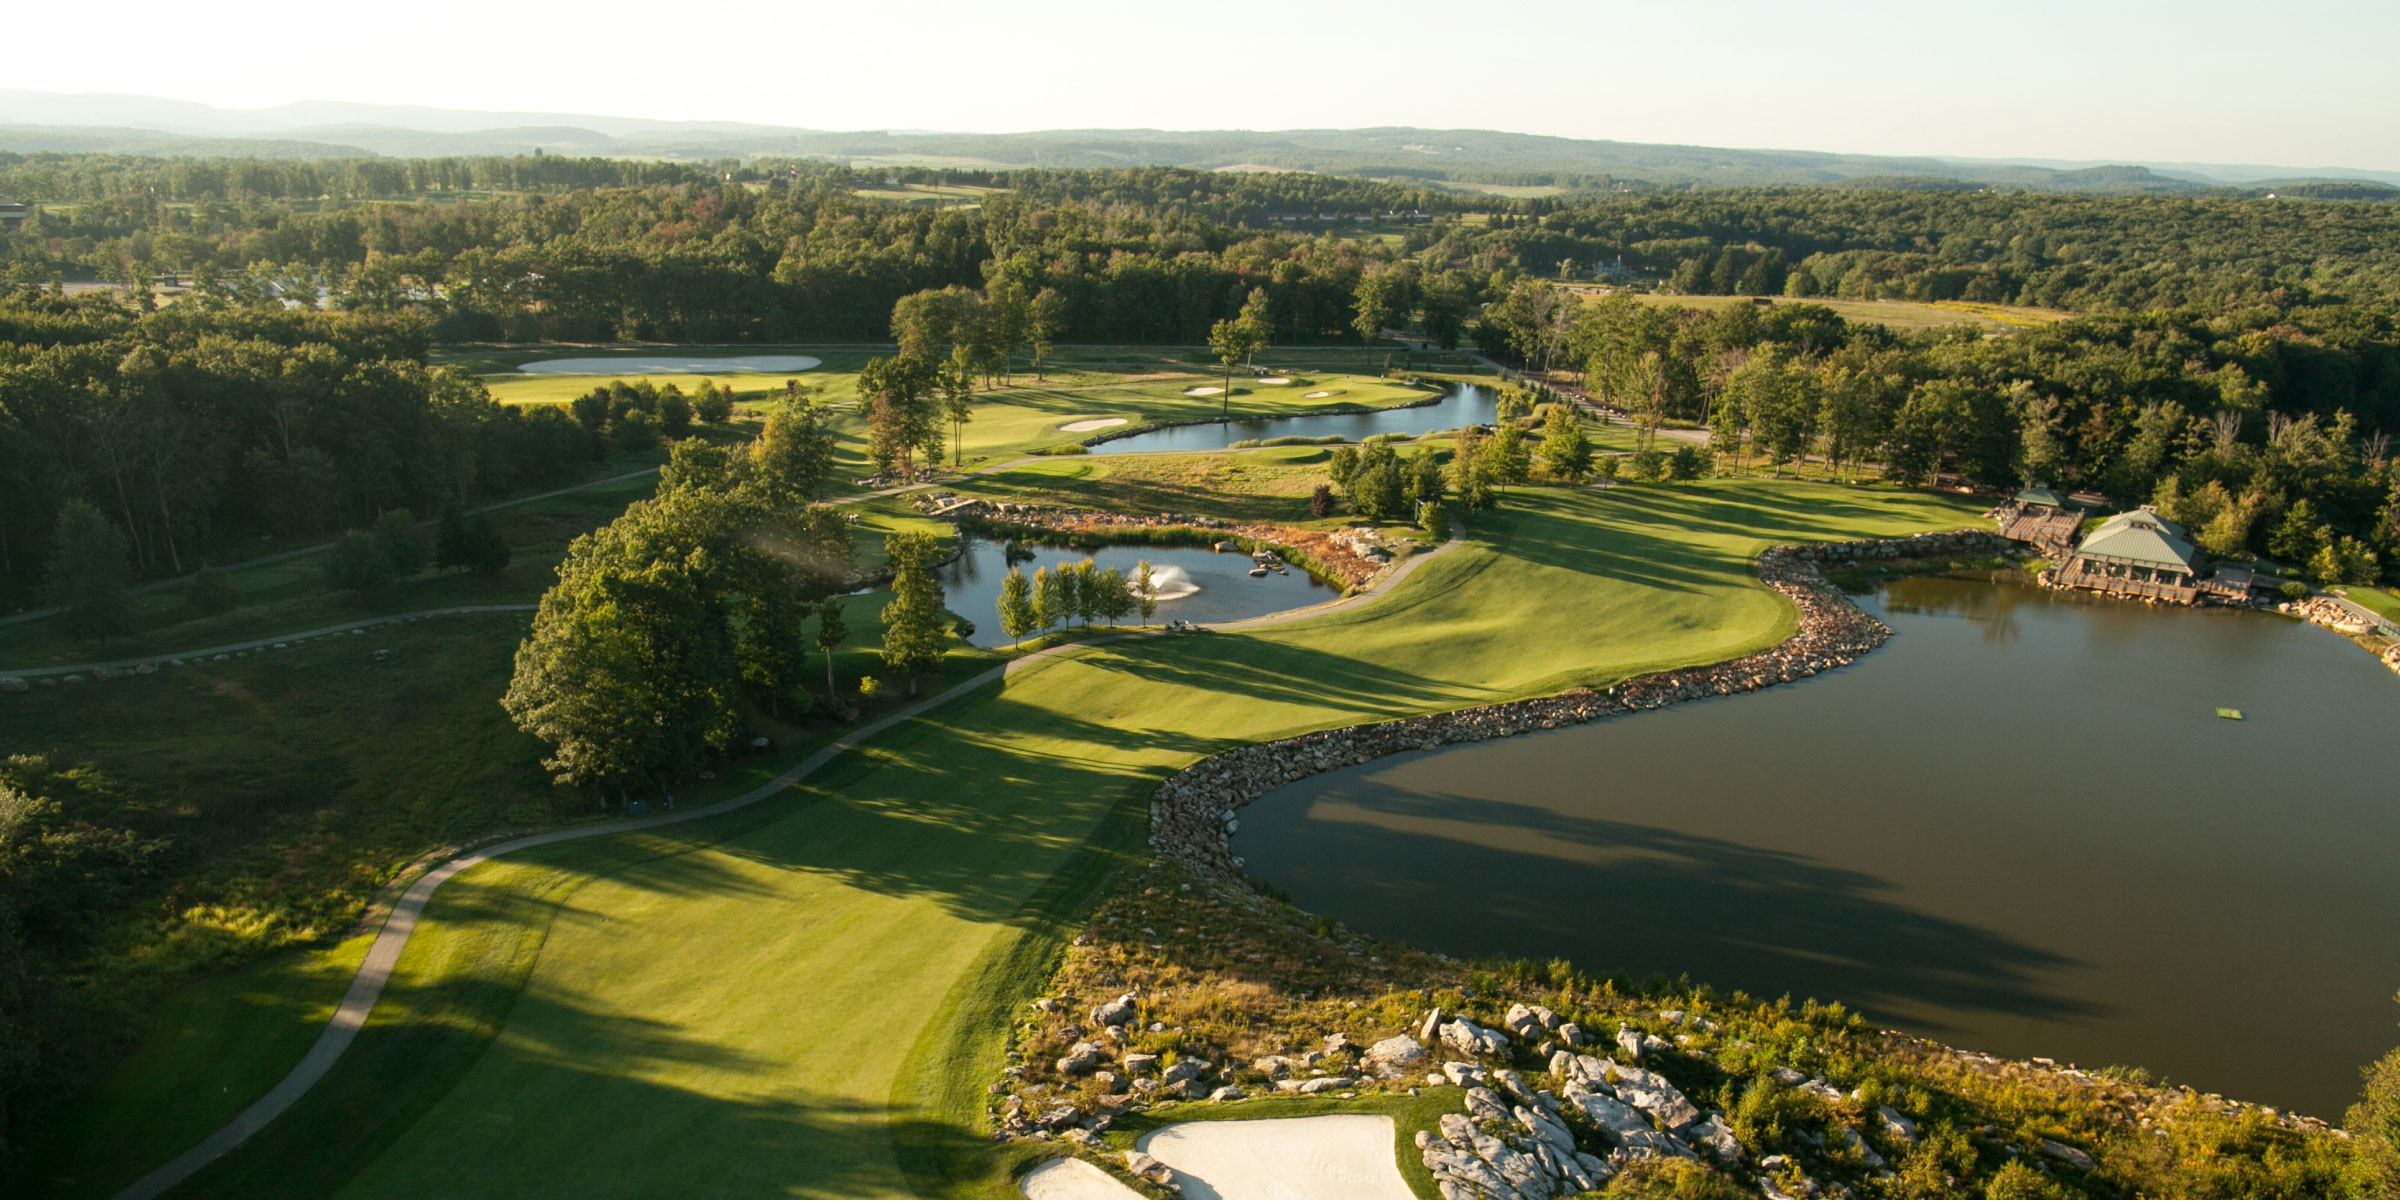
1616	895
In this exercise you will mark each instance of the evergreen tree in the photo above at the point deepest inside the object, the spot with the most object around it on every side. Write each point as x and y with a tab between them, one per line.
1019	615
913	633
487	551
450	540
2299	536
90	573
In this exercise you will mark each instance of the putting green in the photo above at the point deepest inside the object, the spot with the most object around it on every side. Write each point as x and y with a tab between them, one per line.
732	1008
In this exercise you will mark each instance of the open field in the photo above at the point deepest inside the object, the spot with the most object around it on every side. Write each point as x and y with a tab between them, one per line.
1897	314
941	195
869	934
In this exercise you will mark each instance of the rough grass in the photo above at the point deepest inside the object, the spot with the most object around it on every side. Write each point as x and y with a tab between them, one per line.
1900	315
740	1008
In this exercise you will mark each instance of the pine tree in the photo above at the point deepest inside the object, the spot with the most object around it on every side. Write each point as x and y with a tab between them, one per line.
450	548
1019	616
90	570
913	635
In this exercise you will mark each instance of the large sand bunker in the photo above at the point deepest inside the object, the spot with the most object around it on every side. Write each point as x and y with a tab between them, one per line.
671	365
1275	379
1207	390
1072	1179
1315	395
1337	1155
1090	424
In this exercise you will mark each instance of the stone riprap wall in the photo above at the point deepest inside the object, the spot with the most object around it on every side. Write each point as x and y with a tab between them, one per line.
1195	812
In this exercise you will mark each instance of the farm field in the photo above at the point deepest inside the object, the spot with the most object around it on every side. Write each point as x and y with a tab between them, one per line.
867	931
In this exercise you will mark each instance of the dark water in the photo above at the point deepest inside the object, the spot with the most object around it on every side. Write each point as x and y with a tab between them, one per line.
1227	592
1460	404
2019	827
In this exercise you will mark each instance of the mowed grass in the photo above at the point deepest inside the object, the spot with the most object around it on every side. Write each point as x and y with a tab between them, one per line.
295	785
799	999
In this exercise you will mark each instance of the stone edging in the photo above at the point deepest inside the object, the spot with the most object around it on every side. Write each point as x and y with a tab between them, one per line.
1193	814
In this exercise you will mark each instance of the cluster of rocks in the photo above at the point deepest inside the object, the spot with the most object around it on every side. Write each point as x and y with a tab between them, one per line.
1194	813
1349	558
2323	611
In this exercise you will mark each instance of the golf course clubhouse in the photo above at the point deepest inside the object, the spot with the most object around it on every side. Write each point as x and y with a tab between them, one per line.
2136	554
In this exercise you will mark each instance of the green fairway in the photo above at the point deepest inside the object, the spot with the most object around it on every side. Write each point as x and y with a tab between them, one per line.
732	1007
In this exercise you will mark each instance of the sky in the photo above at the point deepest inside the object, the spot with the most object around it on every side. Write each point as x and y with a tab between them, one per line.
2287	82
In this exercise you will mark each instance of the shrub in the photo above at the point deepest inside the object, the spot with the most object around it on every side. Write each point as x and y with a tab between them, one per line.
675	413
1688	462
2293	590
358	565
1320	501
1647	464
713	405
403	544
212	592
634	431
870	687
1435	519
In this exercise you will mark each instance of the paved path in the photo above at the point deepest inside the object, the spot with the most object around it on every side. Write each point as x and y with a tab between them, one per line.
384	954
255	643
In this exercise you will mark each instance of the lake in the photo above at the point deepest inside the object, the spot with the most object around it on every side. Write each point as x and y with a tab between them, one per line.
1194	583
1459	404
2018	827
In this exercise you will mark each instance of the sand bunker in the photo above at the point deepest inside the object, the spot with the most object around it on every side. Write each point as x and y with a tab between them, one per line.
1210	390
671	365
1275	379
1336	1155
1314	395
1073	1180
1095	423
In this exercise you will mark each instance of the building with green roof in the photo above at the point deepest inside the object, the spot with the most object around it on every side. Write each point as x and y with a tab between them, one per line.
2136	553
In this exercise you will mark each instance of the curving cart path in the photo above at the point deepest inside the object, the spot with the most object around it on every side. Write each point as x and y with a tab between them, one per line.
376	970
255	643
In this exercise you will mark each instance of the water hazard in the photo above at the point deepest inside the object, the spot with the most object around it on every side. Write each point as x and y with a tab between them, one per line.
1459	404
1194	583
2020	827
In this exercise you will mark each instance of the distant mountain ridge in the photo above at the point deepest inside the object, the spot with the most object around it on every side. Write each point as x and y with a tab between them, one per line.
32	121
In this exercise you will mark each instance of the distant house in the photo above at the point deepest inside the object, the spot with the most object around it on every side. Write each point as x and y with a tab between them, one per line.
2136	554
13	212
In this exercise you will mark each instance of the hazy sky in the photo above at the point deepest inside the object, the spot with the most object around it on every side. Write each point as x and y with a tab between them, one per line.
2290	82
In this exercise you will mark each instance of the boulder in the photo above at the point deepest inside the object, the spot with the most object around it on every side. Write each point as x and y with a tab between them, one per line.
1227	1093
1715	1137
1187	1069
1427	1029
1325	1084
1393	1055
1138	1062
1114	1013
1484	1105
1079	1059
1573	1035
2073	1157
1897	1127
1467	1038
1464	1075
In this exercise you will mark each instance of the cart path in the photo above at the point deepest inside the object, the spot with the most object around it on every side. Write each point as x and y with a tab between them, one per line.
376	970
364	623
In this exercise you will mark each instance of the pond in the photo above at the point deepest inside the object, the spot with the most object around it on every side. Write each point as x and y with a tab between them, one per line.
671	365
1459	404
2019	827
1194	583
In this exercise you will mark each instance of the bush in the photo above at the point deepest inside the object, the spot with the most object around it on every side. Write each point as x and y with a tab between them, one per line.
674	413
357	565
1320	501
2294	590
1647	464
403	544
2375	1123
1688	462
212	592
1434	518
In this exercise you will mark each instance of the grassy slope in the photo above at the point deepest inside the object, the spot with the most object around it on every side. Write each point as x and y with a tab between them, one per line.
840	922
1901	315
296	784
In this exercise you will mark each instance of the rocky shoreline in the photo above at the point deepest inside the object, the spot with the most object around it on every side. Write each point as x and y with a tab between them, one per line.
1346	558
1194	813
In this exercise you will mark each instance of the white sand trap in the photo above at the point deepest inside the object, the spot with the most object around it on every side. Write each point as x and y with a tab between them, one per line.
1314	395
1340	1155
1072	1179
1095	423
1210	390
670	365
1275	379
